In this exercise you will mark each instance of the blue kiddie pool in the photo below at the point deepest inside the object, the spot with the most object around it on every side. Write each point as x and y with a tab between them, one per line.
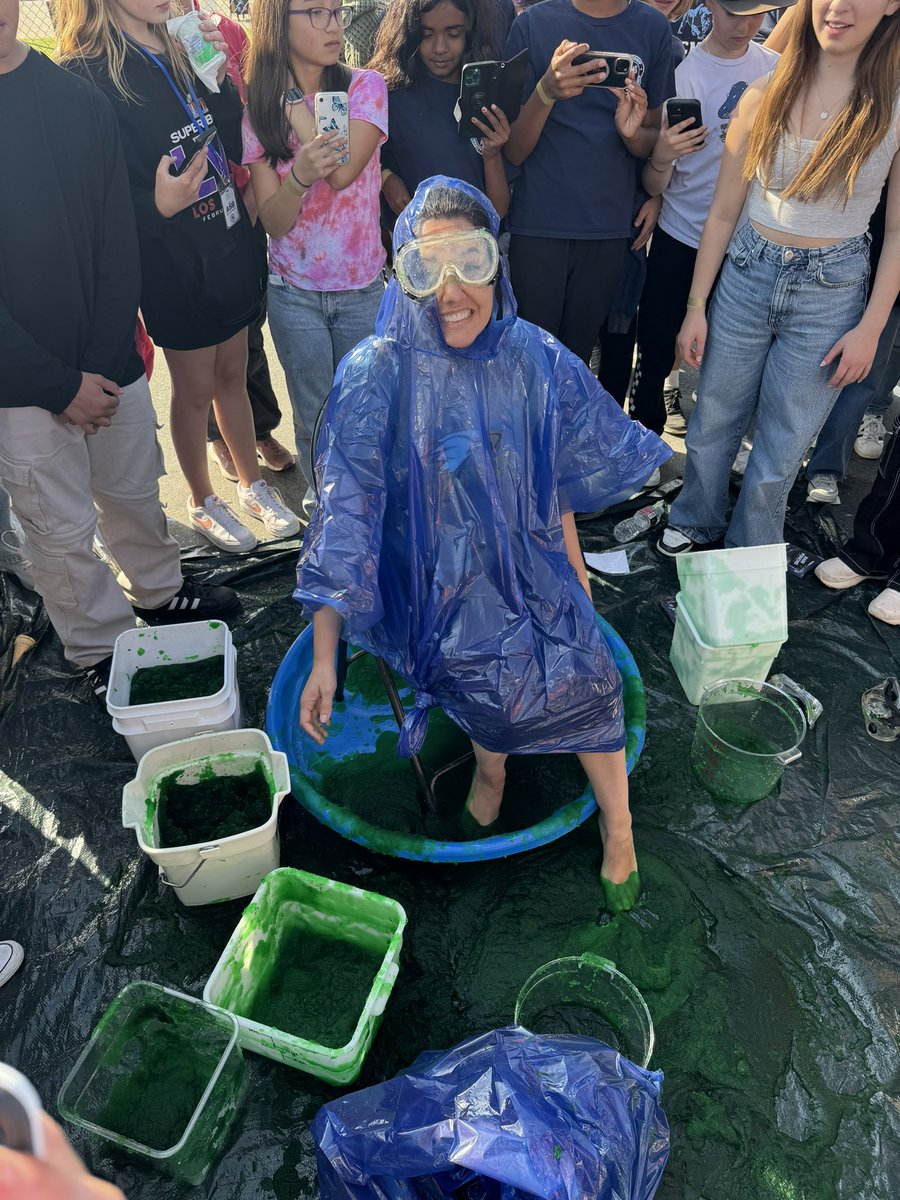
363	732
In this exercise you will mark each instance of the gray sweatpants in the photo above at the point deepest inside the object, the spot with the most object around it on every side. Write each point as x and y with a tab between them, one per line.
63	485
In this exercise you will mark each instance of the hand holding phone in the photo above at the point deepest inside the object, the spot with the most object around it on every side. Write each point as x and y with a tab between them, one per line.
563	80
682	132
332	111
618	67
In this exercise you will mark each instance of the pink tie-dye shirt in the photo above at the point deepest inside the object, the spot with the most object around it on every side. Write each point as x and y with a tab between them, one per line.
335	245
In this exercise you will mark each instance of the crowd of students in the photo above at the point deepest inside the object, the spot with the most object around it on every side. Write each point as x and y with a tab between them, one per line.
211	208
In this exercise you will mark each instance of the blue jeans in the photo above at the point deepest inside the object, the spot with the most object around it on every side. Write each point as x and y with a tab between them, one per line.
872	394
312	332
776	313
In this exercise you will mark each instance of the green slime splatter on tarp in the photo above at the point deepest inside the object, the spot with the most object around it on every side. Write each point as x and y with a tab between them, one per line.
178	681
315	988
212	807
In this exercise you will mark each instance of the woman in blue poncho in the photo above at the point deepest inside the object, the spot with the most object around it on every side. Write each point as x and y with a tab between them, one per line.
457	444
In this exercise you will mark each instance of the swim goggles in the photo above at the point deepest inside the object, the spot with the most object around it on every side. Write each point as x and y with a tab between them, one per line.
423	265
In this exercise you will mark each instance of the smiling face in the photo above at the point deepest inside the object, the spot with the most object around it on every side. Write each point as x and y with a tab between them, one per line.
444	30
843	27
464	309
314	47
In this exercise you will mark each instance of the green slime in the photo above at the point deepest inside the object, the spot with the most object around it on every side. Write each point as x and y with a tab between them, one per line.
213	807
178	681
316	988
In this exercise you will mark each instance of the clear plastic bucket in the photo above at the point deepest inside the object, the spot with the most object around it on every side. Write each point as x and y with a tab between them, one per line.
586	995
746	733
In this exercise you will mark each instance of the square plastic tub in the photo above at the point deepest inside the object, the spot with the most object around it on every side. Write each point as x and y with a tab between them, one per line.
161	1066
213	871
145	726
289	900
736	597
697	664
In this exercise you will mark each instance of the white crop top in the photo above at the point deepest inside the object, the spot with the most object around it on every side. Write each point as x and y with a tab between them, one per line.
828	217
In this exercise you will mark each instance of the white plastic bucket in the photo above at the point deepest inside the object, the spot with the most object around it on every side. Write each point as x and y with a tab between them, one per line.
697	664
206	873
145	726
736	597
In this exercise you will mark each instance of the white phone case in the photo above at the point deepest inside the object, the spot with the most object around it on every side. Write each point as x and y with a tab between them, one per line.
333	115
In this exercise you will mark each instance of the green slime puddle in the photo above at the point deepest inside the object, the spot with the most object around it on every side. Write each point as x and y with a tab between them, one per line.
213	807
315	988
178	681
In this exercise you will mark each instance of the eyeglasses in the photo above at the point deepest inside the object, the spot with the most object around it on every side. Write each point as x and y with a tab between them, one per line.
423	265
320	18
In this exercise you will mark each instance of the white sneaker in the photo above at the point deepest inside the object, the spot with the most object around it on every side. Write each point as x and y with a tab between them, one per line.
835	573
823	489
266	505
870	439
886	606
739	466
11	955
219	525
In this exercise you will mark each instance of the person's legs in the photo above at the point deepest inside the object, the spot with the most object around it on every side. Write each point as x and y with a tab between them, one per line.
872	394
45	465
670	266
232	408
616	359
538	269
351	317
303	343
126	463
594	270
608	778
874	548
486	793
193	387
263	402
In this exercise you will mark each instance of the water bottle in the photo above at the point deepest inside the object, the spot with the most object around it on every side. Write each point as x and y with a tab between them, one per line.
643	519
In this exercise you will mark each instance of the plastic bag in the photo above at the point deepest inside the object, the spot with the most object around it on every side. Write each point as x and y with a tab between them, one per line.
442	474
205	58
505	1115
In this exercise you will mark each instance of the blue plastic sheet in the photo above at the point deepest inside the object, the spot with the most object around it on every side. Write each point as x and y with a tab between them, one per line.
503	1116
442	476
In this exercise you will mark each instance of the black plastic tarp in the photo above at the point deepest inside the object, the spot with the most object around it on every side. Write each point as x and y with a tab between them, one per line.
765	944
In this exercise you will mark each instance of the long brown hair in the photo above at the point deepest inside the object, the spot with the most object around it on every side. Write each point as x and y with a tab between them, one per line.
860	126
87	29
269	70
400	33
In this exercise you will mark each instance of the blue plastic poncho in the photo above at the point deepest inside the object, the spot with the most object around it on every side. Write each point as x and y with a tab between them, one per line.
442	474
504	1116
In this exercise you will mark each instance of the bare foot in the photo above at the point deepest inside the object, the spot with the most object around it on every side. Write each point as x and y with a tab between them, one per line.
619	874
486	796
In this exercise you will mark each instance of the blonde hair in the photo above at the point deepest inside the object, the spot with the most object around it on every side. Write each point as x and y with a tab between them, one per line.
679	10
87	29
860	126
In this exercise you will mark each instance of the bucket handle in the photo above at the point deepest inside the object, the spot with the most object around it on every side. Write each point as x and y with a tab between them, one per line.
205	853
789	756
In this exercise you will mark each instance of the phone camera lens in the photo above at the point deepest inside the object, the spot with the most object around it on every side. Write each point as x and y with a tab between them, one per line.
473	76
479	99
623	66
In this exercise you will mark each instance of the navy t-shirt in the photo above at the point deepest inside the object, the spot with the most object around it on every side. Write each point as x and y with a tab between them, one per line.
579	180
422	138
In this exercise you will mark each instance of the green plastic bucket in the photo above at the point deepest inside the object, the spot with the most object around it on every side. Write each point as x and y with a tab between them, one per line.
746	733
738	596
308	972
161	1078
587	995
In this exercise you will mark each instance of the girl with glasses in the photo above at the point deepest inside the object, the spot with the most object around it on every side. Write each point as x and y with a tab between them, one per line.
456	446
202	267
318	196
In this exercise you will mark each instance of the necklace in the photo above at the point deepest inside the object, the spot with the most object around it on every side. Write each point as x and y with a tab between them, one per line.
824	115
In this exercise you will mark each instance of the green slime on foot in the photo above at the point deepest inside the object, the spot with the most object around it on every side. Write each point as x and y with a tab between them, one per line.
216	806
620	897
178	681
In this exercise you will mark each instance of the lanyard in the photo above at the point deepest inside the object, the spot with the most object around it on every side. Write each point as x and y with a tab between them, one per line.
194	111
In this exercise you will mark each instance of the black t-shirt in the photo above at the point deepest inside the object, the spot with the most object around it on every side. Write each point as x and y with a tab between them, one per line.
69	267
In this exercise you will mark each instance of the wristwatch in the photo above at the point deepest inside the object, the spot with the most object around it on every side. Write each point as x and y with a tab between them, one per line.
292	96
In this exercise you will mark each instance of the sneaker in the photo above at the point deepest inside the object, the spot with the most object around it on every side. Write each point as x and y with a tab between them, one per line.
11	955
886	606
192	602
266	505
98	678
870	439
221	456
273	455
823	489
672	542
739	466
675	422
219	525
835	573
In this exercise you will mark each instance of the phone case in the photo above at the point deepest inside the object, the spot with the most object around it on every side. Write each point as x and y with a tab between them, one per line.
618	66
679	109
333	115
485	83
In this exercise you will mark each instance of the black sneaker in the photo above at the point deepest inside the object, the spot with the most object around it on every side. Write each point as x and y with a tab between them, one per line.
675	422
192	602
672	543
98	679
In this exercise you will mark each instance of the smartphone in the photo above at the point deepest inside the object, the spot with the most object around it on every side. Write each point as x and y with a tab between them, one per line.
197	143
618	66
485	83
333	116
679	109
20	1114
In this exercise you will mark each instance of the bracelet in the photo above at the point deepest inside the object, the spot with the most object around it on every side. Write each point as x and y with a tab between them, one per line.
659	170
386	173
695	302
298	181
542	95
